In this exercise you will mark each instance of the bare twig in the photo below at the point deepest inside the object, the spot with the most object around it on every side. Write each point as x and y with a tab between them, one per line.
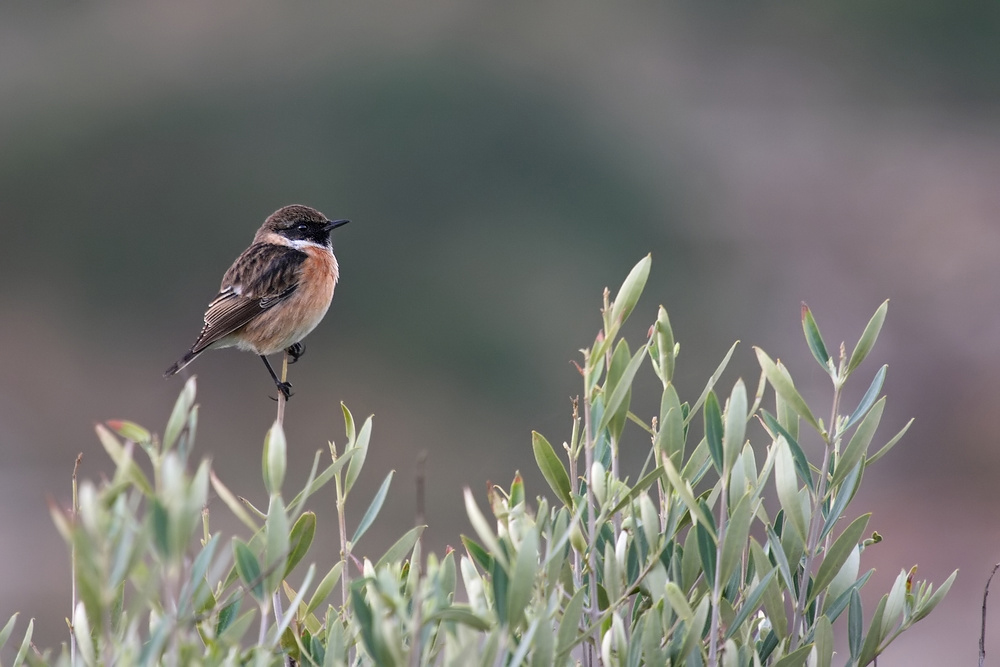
280	419
416	648
982	632
281	395
72	556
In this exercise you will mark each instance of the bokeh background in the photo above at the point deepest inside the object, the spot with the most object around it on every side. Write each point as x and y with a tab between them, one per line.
501	163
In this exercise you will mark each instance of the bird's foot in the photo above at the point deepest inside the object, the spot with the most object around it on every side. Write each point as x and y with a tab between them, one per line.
285	388
295	351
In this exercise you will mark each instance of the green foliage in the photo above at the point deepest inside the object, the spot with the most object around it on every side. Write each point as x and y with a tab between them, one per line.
666	570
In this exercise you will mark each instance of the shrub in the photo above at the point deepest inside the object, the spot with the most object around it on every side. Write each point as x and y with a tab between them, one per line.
679	563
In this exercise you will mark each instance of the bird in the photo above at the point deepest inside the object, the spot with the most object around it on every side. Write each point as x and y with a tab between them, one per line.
275	293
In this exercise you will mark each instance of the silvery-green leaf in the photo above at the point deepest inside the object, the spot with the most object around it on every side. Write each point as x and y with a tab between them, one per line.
868	337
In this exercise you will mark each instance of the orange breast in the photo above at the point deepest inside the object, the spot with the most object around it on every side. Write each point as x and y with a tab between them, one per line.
291	320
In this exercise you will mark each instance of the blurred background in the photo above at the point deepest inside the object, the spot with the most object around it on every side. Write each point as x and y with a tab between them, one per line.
502	164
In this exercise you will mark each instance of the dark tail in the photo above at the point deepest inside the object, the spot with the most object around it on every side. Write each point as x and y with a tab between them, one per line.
182	362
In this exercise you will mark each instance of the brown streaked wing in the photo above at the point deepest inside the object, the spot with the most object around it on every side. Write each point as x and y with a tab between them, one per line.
266	274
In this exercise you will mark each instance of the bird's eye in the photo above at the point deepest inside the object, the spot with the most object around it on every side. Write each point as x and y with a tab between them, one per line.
302	227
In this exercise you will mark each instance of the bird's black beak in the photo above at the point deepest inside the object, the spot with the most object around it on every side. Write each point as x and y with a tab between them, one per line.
333	224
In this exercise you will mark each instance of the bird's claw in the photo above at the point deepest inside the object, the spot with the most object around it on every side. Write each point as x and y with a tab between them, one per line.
285	388
295	351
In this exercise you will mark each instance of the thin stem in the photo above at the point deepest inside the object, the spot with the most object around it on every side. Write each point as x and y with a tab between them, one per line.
416	647
281	395
72	557
262	632
573	454
588	451
816	519
713	633
345	551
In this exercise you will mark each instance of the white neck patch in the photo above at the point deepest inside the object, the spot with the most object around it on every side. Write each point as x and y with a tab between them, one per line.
299	244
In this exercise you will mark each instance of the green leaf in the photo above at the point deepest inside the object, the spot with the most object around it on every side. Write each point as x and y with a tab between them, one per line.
783	385
500	582
796	658
373	509
196	577
179	416
736	425
737	534
889	445
300	539
868	399
823	642
678	602
670	438
778	553
926	607
359	448
636	491
868	338
130	431
838	553
752	603
275	458
683	489
227	615
366	623
870	647
621	389
858	445
785	481
25	644
711	383
834	609
552	468
619	363
665	345
456	614
476	552
400	548
774	603
844	495
630	290
799	457
569	626
482	527
160	520
295	602
120	458
324	587
522	580
9	628
713	431
855	625
233	503
707	551
694	631
248	568
276	543
894	605
318	482
815	340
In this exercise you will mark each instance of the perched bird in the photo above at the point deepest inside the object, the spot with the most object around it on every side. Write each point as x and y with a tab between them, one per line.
276	292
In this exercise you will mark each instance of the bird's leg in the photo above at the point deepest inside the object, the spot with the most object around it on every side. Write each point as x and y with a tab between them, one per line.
295	350
284	387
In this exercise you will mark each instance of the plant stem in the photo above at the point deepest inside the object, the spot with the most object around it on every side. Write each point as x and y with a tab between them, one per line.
72	557
713	633
588	452
281	396
816	520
